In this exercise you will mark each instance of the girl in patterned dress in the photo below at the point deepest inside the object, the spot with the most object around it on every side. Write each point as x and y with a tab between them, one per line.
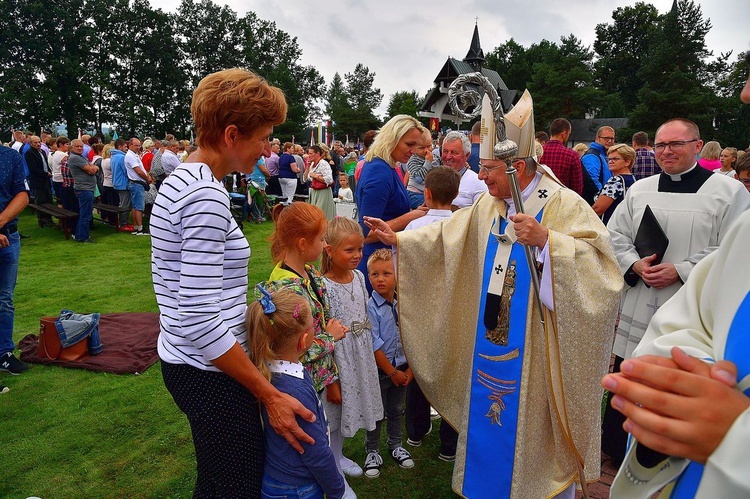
354	401
296	242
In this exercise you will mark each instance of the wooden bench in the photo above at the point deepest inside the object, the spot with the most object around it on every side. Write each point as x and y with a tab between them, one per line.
61	214
110	208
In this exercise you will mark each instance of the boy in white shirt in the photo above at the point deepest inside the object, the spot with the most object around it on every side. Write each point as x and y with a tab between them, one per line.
440	189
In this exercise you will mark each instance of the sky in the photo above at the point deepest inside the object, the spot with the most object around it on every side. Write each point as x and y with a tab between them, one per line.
405	43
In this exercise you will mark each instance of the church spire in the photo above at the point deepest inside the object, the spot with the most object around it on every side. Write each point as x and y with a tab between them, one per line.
475	56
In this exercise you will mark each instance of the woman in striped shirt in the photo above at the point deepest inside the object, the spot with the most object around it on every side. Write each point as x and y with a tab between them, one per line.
199	268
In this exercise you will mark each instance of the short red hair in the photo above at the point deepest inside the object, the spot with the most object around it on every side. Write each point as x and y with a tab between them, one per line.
234	97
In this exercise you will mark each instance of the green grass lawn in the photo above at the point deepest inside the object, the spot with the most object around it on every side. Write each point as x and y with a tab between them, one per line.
80	434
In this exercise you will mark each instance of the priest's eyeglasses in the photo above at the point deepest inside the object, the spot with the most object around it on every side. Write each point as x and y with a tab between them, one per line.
489	169
676	145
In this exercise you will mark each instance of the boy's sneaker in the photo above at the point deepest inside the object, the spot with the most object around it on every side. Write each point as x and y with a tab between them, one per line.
4	389
402	457
373	464
447	457
8	362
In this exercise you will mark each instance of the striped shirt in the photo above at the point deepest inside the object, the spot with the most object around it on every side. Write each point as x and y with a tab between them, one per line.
199	267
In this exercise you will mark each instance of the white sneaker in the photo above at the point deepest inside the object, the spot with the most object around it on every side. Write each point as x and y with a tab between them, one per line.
352	470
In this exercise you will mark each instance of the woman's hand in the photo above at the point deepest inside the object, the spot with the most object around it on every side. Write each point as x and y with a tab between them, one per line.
282	411
336	329
282	408
381	230
333	393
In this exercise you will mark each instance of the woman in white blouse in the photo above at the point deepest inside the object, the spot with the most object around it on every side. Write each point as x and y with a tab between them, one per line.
319	173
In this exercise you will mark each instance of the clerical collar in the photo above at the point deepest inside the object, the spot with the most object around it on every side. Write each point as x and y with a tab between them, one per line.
686	182
525	193
678	176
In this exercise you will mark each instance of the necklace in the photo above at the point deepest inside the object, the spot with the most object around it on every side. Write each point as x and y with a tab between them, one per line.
350	287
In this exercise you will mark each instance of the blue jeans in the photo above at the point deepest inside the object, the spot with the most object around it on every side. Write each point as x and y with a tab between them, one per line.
73	328
273	489
85	214
393	407
8	274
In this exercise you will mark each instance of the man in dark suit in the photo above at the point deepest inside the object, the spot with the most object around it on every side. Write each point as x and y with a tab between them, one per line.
39	177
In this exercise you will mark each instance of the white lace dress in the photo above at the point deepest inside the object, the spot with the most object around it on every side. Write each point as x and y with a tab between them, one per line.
362	405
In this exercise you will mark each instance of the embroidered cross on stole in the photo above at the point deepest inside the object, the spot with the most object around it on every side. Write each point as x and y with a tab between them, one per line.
490	439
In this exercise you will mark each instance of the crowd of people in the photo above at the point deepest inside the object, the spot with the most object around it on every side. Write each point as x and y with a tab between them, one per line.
488	286
76	174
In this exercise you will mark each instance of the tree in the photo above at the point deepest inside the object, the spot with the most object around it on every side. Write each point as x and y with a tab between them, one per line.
275	55
674	72
120	62
562	81
622	48
363	98
512	64
404	103
732	117
212	37
44	75
337	105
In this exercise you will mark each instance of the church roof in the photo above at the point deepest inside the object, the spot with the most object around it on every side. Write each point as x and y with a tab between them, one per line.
475	55
436	101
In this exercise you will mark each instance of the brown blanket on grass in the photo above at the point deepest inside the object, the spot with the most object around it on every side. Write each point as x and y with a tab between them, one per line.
129	345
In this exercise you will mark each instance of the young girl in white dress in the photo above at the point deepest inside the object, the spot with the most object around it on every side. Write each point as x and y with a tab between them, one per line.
345	192
360	404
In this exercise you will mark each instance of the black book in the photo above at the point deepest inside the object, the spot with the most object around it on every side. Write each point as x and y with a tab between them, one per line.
651	238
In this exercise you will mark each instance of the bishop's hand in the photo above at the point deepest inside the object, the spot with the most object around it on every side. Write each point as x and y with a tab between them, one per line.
381	230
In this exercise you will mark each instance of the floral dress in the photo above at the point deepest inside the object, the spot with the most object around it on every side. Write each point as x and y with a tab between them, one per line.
362	404
318	360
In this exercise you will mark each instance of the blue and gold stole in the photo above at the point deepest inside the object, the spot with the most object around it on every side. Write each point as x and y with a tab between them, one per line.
738	344
498	357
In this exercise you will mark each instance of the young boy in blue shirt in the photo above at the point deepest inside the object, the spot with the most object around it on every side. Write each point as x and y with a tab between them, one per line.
389	356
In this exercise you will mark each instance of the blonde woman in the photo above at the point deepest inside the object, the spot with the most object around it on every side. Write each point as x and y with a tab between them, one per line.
380	191
710	156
